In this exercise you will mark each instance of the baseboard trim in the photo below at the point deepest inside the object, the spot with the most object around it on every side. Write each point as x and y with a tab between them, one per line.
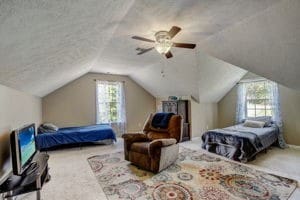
294	146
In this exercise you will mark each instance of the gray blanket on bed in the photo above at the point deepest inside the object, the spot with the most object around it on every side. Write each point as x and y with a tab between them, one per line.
265	136
239	142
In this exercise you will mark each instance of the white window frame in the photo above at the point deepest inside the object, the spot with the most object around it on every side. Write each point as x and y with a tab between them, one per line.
118	102
247	99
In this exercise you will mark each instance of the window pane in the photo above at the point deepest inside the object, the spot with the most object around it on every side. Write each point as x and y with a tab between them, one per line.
258	103
250	92
268	105
256	90
108	98
261	91
113	93
250	113
250	104
260	113
113	112
268	112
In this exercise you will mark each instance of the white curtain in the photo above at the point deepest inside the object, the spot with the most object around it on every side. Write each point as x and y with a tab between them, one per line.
276	111
110	104
241	103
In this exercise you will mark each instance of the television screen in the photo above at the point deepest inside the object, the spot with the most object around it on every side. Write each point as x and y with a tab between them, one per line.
27	146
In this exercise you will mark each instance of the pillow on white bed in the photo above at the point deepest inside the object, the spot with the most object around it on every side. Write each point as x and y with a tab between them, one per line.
267	120
254	124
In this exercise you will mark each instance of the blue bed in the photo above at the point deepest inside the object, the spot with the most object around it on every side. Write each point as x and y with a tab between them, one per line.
75	135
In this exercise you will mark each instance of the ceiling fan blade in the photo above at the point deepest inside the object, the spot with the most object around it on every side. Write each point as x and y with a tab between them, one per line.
142	51
169	54
141	38
184	45
173	31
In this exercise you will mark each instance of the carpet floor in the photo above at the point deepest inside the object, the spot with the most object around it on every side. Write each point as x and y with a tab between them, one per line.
73	179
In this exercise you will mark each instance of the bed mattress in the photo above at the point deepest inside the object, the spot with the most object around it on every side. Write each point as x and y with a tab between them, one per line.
238	142
75	135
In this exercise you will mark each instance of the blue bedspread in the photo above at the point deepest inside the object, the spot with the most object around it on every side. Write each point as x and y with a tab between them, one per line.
75	135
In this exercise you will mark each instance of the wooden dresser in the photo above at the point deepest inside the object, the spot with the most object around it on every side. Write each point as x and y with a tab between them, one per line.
180	107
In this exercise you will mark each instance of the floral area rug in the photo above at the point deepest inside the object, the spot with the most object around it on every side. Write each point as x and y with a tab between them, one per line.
195	175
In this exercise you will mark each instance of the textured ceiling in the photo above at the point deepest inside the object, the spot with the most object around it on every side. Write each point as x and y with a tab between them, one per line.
46	44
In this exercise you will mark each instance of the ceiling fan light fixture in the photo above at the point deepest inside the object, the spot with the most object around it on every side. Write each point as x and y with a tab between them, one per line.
163	42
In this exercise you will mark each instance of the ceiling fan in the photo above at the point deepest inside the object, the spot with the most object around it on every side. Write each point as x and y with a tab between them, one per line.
163	42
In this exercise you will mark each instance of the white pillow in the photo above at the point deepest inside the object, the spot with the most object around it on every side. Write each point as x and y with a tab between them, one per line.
254	124
50	126
266	119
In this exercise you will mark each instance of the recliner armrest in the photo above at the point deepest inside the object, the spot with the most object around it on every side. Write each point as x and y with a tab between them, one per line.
156	145
135	136
130	138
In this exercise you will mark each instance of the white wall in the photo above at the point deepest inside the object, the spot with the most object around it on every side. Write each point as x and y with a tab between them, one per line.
18	108
204	117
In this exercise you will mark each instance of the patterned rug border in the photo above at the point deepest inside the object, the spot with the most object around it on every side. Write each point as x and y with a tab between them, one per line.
256	168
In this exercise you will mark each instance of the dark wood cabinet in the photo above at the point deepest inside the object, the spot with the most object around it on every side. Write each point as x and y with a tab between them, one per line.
180	107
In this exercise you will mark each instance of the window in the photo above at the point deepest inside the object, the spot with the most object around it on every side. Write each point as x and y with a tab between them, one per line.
258	99
110	102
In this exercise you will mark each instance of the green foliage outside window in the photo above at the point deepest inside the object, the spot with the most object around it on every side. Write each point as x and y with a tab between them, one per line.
113	104
258	99
109	103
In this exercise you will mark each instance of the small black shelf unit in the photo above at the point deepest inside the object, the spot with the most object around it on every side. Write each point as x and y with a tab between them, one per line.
28	182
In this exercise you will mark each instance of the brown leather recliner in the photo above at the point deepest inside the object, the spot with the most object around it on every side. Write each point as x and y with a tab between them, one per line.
154	149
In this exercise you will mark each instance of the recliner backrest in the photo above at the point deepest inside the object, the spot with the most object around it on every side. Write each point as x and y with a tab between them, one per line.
174	130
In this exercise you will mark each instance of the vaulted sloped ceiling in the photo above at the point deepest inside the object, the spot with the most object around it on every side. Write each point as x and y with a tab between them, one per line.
46	44
267	44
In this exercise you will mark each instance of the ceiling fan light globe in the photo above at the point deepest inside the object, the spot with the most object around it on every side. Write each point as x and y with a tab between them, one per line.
162	49
163	42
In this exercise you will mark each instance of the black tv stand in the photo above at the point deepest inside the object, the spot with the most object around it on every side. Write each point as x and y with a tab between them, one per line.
31	169
31	180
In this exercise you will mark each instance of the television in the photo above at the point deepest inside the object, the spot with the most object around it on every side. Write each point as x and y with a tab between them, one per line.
23	148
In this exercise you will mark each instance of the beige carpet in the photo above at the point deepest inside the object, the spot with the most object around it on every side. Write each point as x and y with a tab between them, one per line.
72	178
